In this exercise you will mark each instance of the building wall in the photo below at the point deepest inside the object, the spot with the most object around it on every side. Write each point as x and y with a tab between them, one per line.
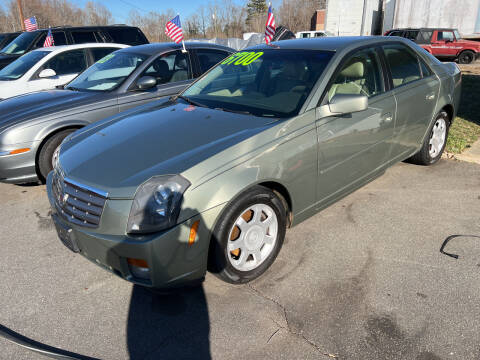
464	14
351	17
318	20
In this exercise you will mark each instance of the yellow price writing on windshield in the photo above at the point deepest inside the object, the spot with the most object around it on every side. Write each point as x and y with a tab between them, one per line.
243	58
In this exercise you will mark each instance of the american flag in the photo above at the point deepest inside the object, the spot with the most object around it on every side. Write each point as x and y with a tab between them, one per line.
173	29
270	26
31	24
49	39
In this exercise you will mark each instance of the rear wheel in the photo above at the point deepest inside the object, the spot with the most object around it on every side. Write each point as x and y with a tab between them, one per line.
248	236
466	57
434	143
45	158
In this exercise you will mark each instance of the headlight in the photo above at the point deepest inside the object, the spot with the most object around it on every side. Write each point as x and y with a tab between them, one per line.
157	204
55	156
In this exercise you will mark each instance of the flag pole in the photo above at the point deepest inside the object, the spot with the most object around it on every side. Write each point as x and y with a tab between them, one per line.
184	50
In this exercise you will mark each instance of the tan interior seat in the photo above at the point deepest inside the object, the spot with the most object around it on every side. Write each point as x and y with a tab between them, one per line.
350	80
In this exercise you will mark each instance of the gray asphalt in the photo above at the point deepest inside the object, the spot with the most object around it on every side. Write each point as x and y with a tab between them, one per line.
364	279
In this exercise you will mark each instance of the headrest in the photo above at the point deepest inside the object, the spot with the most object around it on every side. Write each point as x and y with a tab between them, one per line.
180	62
354	70
161	66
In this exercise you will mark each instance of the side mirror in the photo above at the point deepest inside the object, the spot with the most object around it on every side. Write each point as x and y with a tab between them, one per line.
47	73
347	103
146	82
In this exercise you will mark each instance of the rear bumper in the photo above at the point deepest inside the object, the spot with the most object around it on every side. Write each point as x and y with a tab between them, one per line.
171	260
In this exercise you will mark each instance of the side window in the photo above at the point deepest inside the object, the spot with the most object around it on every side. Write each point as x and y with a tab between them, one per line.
128	36
68	62
445	36
81	37
99	53
39	42
170	67
360	75
403	64
426	72
411	34
59	38
425	36
209	58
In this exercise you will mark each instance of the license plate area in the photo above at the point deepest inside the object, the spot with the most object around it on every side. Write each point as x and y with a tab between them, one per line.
65	234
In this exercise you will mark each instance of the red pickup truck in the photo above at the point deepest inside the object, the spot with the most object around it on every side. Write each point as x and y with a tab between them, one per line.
442	43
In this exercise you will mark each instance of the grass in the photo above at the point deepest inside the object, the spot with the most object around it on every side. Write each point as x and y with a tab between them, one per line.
466	126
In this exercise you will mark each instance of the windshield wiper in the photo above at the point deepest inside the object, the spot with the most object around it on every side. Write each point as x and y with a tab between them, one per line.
191	102
72	88
234	111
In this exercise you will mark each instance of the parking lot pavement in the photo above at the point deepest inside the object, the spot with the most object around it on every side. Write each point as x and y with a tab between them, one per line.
364	279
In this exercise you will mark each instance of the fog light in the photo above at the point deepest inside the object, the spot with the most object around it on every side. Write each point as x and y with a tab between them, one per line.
139	268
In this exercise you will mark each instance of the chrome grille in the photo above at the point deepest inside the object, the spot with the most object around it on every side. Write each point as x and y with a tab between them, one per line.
77	203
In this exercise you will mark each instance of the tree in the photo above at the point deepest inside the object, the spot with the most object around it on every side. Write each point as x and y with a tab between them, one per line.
256	14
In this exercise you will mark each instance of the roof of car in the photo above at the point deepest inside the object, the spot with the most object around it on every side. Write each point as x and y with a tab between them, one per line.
81	46
423	29
153	48
87	27
327	43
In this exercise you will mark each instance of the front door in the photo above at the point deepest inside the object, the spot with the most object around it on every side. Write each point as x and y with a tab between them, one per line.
351	147
173	72
67	65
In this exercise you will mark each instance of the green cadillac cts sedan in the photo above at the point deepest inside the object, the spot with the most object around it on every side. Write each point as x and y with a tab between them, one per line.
212	178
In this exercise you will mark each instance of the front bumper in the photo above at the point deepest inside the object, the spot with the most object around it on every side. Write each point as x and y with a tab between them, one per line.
19	168
172	262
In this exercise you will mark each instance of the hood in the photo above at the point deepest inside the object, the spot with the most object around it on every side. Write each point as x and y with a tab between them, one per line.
474	44
166	139
35	105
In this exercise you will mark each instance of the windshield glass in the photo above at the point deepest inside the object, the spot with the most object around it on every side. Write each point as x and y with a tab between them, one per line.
457	34
19	67
108	72
20	44
270	82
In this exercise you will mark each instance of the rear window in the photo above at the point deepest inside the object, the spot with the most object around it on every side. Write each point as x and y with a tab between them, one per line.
127	36
81	37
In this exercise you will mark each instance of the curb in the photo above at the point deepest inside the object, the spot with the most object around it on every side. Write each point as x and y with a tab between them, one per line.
471	155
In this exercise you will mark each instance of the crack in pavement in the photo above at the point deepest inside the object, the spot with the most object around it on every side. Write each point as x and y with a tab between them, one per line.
287	328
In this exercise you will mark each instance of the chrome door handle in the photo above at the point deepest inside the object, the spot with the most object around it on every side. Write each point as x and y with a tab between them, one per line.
430	97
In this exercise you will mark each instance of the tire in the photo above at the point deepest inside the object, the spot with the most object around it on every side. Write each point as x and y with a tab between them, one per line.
466	57
45	157
261	243
430	153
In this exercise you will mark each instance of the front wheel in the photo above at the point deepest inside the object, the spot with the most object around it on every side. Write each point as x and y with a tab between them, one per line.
248	236
434	144
45	158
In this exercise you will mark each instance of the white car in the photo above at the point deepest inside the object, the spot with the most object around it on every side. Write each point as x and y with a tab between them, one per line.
310	34
47	68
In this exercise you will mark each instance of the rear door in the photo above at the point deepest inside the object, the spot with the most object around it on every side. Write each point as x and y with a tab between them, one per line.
416	89
67	65
173	72
353	146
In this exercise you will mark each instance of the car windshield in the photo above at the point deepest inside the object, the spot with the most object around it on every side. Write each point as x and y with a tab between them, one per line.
457	34
271	82
21	43
108	72
19	67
